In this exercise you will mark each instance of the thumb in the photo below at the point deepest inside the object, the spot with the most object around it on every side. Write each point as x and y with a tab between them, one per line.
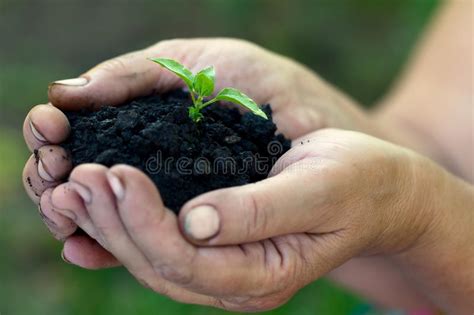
116	80
278	205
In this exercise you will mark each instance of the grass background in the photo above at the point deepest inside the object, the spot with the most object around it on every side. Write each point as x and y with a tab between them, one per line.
359	46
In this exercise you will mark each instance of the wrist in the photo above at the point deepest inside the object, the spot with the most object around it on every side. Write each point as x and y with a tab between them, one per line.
440	255
446	203
406	213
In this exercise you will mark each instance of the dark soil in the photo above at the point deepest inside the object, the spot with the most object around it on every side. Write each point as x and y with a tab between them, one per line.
183	158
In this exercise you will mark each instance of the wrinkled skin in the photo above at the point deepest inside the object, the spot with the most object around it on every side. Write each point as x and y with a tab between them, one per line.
269	256
269	78
341	183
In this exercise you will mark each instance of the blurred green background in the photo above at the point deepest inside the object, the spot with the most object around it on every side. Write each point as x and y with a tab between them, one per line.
359	46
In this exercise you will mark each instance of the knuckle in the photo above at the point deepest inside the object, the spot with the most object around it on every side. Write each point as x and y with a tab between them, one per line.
257	216
180	276
108	232
114	65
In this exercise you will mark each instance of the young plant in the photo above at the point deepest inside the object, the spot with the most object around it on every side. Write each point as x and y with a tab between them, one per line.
201	85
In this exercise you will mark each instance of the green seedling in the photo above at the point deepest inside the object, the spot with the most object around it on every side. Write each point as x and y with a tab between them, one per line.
201	85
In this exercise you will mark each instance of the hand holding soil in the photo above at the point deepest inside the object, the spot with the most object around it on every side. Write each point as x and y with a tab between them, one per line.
300	101
333	196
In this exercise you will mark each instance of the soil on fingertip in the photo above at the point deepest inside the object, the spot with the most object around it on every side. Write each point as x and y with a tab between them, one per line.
183	158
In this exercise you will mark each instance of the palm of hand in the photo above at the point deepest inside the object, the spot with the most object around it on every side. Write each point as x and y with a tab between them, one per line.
266	252
272	267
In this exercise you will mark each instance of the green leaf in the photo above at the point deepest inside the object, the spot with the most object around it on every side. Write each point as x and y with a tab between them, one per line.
235	96
203	83
177	68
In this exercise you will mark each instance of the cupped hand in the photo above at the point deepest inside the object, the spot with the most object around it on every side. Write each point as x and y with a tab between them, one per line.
301	102
335	195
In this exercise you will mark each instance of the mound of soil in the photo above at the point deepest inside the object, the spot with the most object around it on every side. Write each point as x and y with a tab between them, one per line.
183	158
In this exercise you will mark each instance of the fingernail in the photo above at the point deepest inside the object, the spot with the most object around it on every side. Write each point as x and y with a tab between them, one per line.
202	222
116	186
72	82
43	173
83	191
36	133
63	256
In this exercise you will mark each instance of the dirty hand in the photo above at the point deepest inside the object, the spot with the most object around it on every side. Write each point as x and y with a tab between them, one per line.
301	101
335	195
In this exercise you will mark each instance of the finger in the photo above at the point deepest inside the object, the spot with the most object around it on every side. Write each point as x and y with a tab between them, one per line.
60	226
54	163
34	184
140	192
100	205
45	169
67	202
102	211
83	251
278	205
154	229
116	81
45	124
